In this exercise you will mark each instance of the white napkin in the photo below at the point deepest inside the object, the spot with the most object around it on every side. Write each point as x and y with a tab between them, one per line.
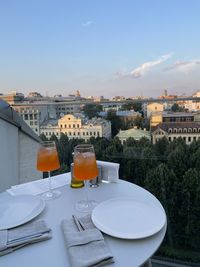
110	171
40	186
23	235
87	247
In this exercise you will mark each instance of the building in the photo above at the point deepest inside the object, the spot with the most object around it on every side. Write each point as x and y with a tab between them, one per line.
12	98
19	146
135	133
153	107
189	131
159	117
191	105
77	126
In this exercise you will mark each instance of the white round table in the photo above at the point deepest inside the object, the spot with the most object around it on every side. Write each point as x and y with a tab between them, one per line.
51	253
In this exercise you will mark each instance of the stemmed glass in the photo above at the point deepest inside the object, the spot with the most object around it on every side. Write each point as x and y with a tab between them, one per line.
85	168
47	161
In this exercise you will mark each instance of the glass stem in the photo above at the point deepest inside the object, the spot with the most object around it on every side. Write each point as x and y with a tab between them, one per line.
49	176
86	192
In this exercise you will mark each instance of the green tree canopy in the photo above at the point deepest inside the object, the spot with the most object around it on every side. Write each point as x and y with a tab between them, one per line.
92	110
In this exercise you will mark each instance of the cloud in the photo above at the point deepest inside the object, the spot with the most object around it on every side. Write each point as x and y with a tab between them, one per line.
184	66
145	67
87	23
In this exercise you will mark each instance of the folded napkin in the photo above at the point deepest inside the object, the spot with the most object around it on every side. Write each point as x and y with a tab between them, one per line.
40	186
109	171
21	236
86	248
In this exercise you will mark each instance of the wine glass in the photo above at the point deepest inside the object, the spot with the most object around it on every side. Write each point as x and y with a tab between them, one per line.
47	160
85	168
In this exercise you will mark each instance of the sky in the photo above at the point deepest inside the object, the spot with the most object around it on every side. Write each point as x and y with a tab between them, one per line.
100	47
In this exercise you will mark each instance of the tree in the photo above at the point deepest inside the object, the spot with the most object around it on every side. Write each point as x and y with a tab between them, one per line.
43	137
92	110
161	181
138	121
136	106
116	123
176	108
190	209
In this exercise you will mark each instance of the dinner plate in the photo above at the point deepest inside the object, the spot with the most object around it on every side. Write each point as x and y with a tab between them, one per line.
128	218
18	210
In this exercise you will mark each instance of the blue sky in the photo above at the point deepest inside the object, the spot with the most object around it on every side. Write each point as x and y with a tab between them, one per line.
101	47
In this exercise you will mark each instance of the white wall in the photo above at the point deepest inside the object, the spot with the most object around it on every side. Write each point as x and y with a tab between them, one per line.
27	159
9	170
18	153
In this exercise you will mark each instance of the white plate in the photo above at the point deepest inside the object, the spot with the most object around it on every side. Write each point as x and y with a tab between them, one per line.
127	218
19	209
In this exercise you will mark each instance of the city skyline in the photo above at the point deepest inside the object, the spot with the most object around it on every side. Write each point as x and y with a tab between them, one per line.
130	48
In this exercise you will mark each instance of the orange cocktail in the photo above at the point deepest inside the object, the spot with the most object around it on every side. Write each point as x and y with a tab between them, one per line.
85	166
47	159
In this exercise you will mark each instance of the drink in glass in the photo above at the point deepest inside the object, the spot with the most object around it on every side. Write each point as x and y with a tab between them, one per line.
47	160
85	168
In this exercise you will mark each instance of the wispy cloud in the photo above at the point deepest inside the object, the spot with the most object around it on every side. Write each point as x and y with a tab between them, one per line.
184	66
87	23
145	67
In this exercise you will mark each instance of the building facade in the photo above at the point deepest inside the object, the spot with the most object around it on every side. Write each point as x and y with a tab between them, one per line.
159	117
76	126
188	131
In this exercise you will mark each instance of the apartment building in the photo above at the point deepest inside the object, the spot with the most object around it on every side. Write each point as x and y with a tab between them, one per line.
189	131
77	126
166	117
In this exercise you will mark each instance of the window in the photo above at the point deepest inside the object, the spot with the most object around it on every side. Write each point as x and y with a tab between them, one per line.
65	126
194	138
74	133
175	130
36	129
35	122
31	116
83	133
94	133
70	133
90	133
170	130
184	138
31	122
180	130
87	133
169	139
78	133
194	130
69	125
77	125
74	125
61	125
35	116
189	139
189	130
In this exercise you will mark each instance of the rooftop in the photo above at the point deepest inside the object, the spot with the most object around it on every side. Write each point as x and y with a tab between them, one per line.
134	133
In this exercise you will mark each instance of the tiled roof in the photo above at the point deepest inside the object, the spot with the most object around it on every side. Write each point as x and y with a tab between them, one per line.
178	125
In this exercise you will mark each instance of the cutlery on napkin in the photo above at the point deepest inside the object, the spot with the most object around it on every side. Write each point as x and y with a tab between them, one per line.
85	243
23	235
